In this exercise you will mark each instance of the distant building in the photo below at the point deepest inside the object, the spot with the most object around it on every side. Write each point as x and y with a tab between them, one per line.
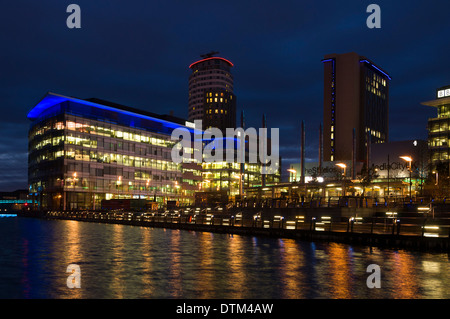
211	97
211	100
246	172
329	171
356	97
15	201
388	171
389	155
439	128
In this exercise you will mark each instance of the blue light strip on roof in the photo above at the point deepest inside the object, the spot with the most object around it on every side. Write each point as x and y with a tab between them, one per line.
377	68
327	60
48	101
52	99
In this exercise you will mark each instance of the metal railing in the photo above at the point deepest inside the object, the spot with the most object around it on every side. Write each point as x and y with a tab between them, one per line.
390	224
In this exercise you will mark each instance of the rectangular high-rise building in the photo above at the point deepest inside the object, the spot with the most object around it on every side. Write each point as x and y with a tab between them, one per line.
439	129
356	106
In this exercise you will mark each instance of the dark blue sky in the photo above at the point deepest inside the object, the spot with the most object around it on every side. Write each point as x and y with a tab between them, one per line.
137	53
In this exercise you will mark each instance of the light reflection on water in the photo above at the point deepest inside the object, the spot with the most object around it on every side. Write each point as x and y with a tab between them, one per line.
120	261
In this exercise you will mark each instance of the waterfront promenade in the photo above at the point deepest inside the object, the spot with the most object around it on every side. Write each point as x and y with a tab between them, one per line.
417	230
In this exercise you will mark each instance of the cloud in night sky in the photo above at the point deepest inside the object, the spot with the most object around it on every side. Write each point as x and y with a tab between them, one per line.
137	53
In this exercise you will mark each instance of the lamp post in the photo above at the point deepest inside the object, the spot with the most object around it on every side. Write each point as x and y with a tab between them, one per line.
437	177
294	174
75	179
119	182
409	160
343	166
293	179
179	193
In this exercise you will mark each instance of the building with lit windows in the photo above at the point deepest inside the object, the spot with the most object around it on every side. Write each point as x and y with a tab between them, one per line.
211	97
356	106
219	109
439	128
391	175
84	151
223	176
211	100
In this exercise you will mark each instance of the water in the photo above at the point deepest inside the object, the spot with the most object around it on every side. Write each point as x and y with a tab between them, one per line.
119	261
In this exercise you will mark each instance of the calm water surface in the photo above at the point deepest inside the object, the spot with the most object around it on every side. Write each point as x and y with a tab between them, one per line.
119	261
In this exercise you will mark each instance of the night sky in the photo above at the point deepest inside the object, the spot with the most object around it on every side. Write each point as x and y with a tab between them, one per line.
137	53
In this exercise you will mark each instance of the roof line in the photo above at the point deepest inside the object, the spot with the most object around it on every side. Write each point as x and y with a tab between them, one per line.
376	67
78	100
215	57
437	102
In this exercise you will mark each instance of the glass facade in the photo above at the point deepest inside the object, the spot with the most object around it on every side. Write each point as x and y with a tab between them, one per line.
439	128
439	135
376	110
223	176
81	153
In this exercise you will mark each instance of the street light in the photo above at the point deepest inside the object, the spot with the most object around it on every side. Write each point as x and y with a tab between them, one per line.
294	173
75	179
409	160
119	182
437	177
146	187
343	166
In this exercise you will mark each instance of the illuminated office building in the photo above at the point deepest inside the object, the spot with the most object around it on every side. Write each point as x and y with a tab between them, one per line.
223	176
211	97
84	151
211	100
356	97
219	109
439	128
